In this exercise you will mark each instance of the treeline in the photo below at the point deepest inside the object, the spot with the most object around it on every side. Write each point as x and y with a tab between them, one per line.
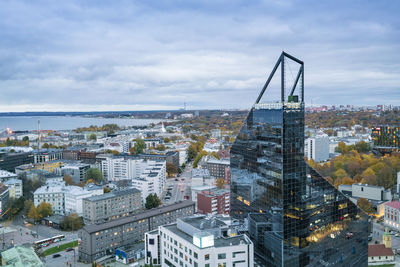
109	128
10	142
355	167
332	119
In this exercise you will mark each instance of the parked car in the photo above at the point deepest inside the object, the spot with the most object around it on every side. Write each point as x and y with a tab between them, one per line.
56	255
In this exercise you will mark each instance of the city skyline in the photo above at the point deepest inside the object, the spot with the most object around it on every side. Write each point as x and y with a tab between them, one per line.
78	56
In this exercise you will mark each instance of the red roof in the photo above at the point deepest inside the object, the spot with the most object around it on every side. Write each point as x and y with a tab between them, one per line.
393	204
379	250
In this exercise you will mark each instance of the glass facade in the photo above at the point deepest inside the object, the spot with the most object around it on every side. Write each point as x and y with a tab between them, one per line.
293	215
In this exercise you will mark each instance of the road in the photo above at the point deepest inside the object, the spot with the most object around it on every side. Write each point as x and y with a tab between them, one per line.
180	188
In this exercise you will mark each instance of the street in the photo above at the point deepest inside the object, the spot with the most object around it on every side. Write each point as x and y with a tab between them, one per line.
180	188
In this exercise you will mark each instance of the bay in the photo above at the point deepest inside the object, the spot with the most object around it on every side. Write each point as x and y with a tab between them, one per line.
28	123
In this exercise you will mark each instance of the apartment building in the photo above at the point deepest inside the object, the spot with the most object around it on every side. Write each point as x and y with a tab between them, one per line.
99	240
213	201
111	206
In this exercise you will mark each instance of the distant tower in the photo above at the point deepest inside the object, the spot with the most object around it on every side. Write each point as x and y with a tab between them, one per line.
387	238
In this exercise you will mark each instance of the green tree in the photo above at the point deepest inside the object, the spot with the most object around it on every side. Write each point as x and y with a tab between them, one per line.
152	201
199	157
25	139
93	137
44	210
340	173
72	222
140	146
95	174
341	148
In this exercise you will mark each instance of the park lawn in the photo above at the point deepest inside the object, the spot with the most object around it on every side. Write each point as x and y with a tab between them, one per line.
384	265
62	247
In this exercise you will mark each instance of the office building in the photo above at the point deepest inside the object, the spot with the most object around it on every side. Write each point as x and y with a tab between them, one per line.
217	167
9	160
199	241
99	240
386	138
294	216
213	201
317	148
6	175
47	155
370	192
77	171
111	206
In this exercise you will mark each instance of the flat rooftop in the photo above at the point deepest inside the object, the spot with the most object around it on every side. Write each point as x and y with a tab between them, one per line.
146	214
113	194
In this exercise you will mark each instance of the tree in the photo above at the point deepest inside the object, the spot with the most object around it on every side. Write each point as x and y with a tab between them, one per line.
140	145
93	137
152	201
45	145
365	205
340	173
106	190
44	210
68	179
25	139
220	182
347	180
191	152
341	148
132	151
72	222
198	158
171	169
160	147
33	213
95	174
27	206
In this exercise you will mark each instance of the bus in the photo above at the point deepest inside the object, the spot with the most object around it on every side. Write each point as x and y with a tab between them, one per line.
48	241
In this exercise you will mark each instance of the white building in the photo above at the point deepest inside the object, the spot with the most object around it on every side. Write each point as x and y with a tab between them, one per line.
398	183
152	180
73	198
199	241
371	192
5	175
392	214
15	187
52	193
317	148
62	198
116	168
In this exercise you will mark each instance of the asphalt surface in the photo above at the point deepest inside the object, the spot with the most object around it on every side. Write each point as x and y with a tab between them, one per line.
180	186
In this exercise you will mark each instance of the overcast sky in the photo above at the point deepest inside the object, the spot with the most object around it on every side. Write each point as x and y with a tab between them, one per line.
131	55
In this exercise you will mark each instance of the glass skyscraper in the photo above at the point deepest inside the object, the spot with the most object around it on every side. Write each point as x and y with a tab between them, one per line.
293	215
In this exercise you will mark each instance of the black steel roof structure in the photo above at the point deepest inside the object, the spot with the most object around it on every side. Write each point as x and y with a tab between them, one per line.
300	74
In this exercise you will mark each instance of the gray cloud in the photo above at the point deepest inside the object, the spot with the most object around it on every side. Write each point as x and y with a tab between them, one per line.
90	55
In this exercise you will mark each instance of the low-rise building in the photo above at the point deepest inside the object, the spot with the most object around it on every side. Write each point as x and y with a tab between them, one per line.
10	160
217	167
392	214
19	256
5	175
74	196
111	206
370	192
213	201
99	240
45	155
199	241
